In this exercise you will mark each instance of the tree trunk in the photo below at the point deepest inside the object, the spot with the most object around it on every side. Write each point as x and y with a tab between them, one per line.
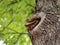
44	26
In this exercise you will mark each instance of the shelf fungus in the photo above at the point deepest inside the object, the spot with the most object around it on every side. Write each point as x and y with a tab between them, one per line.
32	23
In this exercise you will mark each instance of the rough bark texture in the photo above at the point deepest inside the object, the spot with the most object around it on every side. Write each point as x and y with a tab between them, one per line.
47	30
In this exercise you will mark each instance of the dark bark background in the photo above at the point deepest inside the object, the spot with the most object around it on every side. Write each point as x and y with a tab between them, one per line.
45	29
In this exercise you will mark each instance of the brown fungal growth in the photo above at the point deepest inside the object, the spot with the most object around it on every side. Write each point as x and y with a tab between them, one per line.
31	23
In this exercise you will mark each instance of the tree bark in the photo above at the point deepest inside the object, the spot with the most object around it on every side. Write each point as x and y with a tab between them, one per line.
44	26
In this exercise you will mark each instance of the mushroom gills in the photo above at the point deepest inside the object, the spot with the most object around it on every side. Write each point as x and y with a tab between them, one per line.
32	23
